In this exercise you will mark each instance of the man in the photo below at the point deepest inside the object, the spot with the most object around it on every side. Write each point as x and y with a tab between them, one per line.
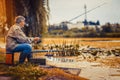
17	41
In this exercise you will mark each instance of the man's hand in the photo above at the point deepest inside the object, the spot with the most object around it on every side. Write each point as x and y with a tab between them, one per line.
37	40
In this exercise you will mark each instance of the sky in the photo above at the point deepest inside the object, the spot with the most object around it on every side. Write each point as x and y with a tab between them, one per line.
64	10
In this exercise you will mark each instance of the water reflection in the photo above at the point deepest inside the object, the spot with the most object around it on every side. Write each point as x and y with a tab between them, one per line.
60	59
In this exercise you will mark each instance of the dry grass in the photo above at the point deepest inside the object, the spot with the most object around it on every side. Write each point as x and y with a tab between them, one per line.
113	62
33	72
53	73
115	75
83	41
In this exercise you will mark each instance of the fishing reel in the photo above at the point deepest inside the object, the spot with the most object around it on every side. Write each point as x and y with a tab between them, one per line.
37	44
39	41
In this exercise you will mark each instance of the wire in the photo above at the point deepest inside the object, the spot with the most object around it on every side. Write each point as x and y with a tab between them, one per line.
86	12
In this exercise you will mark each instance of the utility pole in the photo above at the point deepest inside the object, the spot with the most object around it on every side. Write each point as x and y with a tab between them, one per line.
85	20
85	7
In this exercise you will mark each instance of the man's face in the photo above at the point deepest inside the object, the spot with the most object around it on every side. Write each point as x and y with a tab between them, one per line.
22	23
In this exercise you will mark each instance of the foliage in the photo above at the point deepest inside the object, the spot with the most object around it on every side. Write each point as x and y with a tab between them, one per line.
65	48
26	72
36	13
107	30
33	72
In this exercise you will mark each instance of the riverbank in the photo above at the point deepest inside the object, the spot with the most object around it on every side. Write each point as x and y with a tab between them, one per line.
107	68
102	66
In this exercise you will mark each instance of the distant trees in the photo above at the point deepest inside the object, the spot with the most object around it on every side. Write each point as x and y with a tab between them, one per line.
98	22
62	26
107	30
75	30
91	22
110	30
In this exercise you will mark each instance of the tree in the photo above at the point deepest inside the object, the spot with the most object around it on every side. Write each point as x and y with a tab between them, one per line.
35	11
106	28
98	22
75	30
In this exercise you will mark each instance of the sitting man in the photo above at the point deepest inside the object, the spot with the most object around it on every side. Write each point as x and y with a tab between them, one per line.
17	41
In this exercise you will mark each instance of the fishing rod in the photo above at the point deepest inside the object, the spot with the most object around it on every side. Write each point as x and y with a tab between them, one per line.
86	12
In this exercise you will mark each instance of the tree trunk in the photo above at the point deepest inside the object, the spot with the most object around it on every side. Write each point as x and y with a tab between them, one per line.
34	12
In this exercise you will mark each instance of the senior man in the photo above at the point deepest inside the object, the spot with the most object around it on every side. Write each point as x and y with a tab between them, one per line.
17	41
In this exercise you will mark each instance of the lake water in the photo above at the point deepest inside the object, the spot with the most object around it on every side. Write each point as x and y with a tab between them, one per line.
60	59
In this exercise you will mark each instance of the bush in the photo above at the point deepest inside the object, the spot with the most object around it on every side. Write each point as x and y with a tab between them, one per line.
26	72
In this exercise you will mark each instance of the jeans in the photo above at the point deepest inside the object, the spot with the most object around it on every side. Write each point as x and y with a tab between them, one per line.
25	50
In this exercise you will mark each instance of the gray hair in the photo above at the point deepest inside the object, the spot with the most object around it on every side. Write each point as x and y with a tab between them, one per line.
18	19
